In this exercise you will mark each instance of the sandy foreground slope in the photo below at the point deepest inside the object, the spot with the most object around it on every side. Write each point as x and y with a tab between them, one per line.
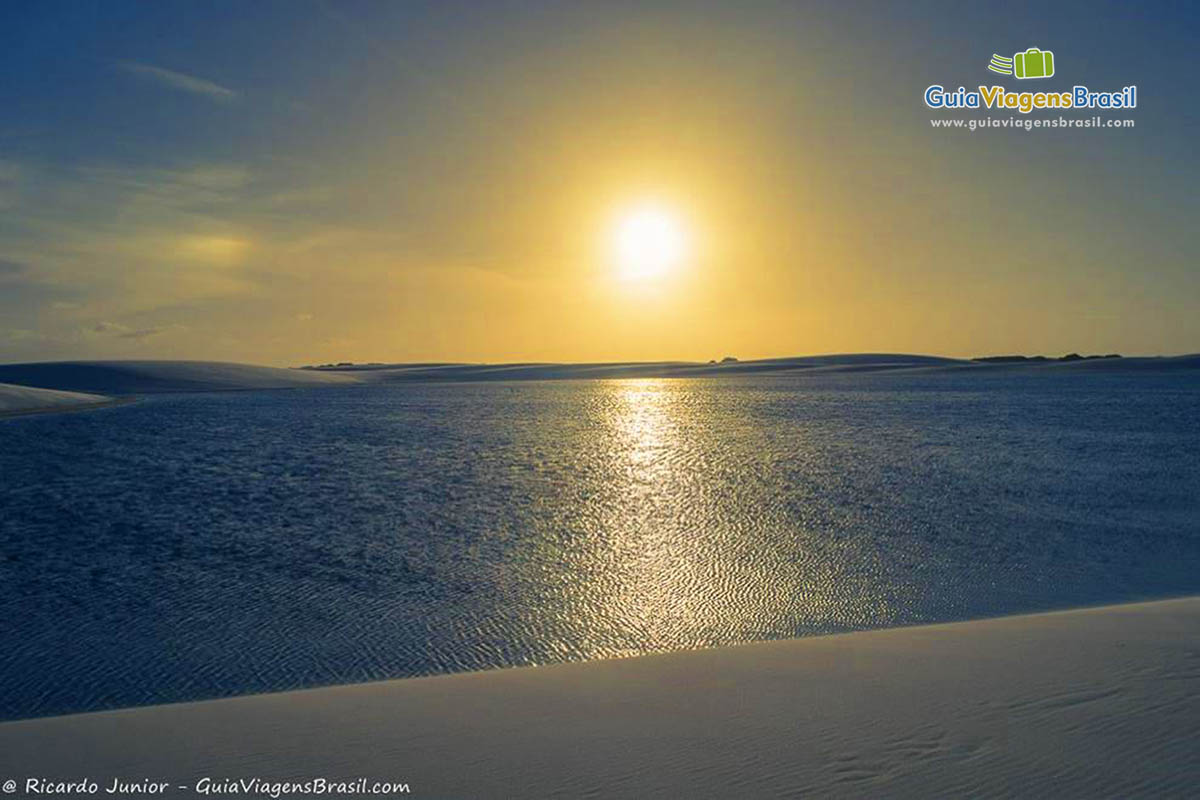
25	399
1092	703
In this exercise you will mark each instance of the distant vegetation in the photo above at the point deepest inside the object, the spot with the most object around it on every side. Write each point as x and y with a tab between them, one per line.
1019	359
341	364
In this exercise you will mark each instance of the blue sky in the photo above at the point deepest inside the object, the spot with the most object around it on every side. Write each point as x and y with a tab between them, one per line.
295	182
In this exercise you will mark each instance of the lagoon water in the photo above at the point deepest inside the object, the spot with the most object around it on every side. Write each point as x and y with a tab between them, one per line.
197	546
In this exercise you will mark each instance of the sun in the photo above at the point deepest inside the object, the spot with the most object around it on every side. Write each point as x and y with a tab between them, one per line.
648	241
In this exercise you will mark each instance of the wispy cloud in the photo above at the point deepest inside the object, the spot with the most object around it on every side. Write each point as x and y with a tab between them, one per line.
179	81
25	335
9	268
123	332
10	174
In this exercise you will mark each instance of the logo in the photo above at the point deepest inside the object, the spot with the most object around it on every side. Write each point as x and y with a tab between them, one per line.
1001	64
1033	63
1026	65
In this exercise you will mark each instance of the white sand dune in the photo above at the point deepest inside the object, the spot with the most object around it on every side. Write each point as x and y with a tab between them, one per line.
143	377
1091	703
798	366
26	400
387	373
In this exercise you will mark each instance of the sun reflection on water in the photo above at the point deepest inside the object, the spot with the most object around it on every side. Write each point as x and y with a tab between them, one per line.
651	556
694	535
646	431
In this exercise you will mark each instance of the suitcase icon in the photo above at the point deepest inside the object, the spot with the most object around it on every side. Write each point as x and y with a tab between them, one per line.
1033	63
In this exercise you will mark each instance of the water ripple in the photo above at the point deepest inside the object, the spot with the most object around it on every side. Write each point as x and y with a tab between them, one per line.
206	545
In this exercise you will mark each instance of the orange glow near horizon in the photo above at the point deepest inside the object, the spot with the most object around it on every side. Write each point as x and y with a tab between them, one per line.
665	188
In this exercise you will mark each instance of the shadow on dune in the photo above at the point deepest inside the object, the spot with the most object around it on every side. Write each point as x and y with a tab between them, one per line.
147	377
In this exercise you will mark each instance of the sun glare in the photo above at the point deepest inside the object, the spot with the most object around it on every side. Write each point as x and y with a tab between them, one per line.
648	241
